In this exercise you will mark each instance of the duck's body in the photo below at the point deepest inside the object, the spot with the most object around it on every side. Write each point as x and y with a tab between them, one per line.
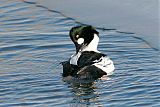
87	62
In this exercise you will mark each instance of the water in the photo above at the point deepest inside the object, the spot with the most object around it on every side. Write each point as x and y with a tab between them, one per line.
123	15
33	41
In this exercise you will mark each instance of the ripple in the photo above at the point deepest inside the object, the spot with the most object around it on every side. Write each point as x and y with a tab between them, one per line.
34	40
17	47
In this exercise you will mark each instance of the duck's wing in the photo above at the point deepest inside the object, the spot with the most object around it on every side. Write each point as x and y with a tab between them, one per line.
69	69
90	72
99	60
105	64
88	58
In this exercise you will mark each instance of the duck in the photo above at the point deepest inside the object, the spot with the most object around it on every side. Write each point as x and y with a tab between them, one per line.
87	62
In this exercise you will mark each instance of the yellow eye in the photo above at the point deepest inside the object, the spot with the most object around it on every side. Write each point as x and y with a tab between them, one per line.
77	36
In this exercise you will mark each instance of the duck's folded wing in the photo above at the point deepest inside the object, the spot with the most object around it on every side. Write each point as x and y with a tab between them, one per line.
90	72
69	69
88	58
105	64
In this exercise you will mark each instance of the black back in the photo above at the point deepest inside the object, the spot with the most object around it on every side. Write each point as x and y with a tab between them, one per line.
87	58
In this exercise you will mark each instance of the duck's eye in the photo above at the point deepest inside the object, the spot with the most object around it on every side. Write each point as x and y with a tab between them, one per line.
77	36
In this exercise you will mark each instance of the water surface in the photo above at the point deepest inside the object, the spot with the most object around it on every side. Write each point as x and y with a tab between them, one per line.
136	16
33	41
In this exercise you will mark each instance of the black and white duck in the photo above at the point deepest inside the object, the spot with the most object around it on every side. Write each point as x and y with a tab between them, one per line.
87	62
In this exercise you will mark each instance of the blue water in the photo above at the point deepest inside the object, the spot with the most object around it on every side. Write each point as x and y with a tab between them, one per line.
33	41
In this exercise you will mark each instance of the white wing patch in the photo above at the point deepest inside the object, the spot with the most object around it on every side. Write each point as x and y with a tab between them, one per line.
105	64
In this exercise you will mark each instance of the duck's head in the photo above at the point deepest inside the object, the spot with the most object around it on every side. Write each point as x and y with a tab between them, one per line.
85	38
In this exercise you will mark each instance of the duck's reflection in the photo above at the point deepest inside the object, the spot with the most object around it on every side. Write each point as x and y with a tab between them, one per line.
84	93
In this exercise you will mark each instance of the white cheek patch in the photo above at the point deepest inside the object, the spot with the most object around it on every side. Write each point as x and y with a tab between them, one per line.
80	41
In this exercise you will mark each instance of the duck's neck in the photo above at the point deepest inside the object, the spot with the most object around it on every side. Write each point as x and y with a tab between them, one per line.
92	46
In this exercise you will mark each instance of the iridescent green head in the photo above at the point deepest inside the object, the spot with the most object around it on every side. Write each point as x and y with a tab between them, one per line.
82	35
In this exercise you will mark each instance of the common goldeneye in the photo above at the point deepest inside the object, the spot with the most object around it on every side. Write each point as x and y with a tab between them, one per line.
87	62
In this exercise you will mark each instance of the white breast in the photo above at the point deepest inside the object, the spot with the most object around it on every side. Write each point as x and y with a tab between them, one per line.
74	58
